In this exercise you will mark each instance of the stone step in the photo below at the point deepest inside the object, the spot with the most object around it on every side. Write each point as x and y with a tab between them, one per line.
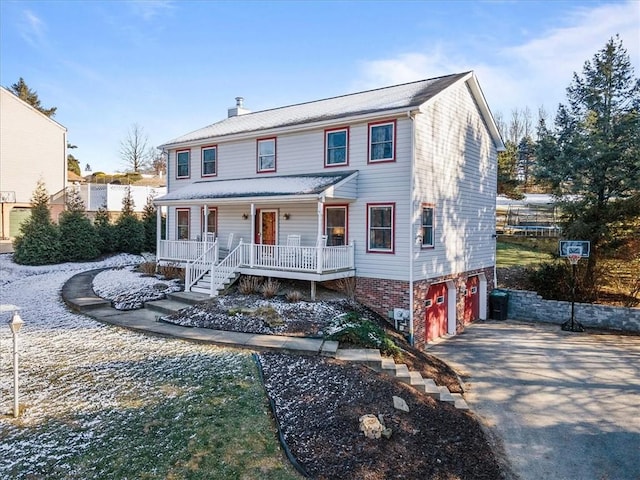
459	402
205	291
416	379
431	389
402	373
166	307
445	395
367	356
190	298
388	365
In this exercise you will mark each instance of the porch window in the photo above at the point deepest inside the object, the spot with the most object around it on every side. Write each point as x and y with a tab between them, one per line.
267	155
382	142
380	219
182	164
427	226
336	142
182	223
335	219
209	161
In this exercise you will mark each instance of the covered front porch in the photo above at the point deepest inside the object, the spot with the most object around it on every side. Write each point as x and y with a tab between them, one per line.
296	235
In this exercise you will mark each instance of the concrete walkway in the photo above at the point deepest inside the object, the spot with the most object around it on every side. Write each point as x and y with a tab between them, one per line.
566	405
79	295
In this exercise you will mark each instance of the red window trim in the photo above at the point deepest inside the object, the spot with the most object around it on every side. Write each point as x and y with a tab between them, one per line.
393	227
202	149
394	122
275	154
326	132
188	150
202	224
346	218
428	205
188	210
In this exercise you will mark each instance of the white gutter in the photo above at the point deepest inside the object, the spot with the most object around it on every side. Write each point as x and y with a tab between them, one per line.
411	237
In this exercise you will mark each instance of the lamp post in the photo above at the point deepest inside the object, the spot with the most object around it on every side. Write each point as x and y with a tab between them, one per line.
15	324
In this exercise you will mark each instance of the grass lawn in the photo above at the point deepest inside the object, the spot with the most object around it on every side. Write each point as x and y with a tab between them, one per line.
203	423
524	253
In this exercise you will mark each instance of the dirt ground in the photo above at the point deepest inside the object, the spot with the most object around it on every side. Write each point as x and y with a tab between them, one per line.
318	401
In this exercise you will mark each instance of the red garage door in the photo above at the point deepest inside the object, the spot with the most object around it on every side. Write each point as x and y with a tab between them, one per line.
436	315
472	300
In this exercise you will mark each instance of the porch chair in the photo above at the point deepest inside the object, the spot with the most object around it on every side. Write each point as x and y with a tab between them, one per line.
226	251
291	251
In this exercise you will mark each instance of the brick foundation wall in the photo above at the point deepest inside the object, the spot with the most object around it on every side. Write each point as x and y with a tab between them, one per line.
526	305
382	295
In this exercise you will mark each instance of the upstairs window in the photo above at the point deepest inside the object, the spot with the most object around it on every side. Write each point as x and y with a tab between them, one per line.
427	226
209	161
266	155
382	142
336	142
182	164
380	219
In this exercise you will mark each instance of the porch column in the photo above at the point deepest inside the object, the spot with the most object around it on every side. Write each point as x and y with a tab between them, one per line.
319	242
205	222
252	248
158	228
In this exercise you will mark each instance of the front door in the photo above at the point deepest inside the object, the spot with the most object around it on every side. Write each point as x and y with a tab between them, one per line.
266	230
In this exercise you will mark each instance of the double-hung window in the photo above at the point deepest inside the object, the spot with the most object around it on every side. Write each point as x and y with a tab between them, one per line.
209	161
427	226
266	155
335	219
380	221
382	138
337	144
182	223
182	164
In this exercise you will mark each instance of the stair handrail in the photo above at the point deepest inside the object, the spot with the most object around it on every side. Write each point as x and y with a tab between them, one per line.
198	268
227	266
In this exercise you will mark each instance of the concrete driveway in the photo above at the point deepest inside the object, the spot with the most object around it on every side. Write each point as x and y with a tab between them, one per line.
565	405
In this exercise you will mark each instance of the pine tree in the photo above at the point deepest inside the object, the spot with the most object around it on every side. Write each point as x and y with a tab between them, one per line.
592	156
39	239
23	92
130	236
78	238
105	231
149	220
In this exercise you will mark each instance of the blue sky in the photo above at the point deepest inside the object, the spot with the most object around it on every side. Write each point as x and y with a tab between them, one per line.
175	66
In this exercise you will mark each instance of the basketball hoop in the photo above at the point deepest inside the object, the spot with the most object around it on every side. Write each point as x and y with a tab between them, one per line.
574	258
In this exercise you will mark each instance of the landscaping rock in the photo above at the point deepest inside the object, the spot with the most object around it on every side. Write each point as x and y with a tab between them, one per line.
400	404
371	426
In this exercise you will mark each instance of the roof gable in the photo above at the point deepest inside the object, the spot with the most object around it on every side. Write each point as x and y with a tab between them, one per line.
407	95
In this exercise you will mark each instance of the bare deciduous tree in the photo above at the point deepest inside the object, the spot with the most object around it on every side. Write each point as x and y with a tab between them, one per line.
134	149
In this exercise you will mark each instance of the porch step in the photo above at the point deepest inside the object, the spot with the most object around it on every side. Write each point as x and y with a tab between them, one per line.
190	298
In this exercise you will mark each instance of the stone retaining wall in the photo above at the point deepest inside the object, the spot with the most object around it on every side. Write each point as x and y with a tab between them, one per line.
526	305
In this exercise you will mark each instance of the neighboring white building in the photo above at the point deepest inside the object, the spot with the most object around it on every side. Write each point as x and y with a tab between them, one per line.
32	147
394	186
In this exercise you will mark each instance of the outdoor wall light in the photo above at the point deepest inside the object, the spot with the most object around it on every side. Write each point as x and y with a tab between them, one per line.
245	216
287	216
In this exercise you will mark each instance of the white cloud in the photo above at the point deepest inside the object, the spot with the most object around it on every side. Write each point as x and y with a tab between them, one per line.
33	29
150	9
532	74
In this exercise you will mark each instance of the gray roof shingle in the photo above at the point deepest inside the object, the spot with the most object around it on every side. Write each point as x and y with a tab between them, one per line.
407	95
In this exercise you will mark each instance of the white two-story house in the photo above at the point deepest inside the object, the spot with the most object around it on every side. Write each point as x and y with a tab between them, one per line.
394	187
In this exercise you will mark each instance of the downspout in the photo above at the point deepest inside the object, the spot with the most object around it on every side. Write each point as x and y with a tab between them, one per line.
411	236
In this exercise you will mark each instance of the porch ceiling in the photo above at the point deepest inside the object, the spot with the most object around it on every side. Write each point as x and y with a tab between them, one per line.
283	188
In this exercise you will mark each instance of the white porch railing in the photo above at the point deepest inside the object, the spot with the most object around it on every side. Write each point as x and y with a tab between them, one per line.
266	257
198	268
181	251
225	270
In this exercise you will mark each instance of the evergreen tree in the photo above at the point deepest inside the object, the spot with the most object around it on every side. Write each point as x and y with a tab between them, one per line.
508	183
23	92
39	239
592	156
130	235
78	238
105	231
150	221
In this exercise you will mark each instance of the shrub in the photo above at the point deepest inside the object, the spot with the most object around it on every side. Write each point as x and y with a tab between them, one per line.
171	272
149	221
147	268
39	239
348	287
293	296
352	329
553	281
105	231
78	238
249	285
270	288
130	237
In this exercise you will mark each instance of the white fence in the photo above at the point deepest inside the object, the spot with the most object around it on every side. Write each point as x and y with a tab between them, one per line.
95	196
